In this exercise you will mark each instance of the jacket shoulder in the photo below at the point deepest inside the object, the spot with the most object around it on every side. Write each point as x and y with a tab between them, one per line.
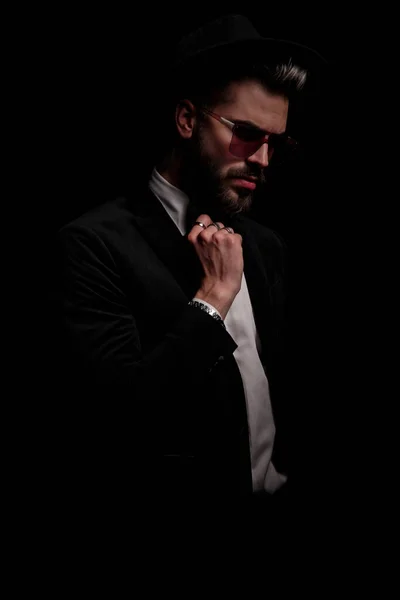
264	236
107	218
270	243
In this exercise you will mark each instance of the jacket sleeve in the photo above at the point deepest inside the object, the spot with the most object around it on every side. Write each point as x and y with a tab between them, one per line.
99	331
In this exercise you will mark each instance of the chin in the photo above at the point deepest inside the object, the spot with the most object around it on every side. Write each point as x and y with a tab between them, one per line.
232	203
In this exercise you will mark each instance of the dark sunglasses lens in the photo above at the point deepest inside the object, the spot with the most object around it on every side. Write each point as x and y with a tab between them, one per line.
245	141
243	149
248	134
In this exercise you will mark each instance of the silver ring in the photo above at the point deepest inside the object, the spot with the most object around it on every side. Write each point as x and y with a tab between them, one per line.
201	224
228	229
215	225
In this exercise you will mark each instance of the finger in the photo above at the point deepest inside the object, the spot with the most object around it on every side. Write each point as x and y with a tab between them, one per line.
208	233
213	224
227	230
202	221
201	224
217	225
198	226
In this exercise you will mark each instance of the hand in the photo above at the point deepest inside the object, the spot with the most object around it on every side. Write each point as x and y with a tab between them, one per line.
221	255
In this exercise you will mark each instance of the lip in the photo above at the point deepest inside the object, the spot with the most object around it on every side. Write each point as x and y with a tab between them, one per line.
246	183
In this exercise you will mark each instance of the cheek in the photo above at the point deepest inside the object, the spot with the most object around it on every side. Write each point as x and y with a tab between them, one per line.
218	148
216	151
219	152
223	159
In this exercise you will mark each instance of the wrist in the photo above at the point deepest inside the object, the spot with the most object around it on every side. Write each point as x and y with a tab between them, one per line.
219	299
211	306
207	308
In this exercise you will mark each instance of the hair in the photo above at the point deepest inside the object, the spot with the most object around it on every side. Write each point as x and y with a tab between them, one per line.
288	78
205	82
211	75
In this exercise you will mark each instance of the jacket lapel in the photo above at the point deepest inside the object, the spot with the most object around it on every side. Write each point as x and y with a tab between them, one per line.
173	249
178	256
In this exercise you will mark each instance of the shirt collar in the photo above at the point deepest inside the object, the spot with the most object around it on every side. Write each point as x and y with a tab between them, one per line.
174	200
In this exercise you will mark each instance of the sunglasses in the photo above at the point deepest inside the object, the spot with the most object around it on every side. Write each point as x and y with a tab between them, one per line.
246	140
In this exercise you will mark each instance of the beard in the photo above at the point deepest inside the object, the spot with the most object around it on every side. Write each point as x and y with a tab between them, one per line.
208	189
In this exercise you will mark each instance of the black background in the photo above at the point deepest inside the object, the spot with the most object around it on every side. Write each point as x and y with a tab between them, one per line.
97	75
99	71
83	87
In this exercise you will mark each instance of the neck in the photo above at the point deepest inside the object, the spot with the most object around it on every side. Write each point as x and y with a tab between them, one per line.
176	170
170	168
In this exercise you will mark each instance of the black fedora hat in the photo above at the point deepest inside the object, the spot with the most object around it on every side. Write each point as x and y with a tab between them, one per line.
236	33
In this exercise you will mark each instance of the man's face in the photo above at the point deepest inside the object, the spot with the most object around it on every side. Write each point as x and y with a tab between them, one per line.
215	171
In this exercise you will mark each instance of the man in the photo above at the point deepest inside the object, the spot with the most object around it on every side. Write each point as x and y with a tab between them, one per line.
173	301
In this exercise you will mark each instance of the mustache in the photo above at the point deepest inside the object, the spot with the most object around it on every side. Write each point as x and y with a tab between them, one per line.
258	174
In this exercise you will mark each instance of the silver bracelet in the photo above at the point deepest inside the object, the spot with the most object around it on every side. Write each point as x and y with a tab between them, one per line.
210	311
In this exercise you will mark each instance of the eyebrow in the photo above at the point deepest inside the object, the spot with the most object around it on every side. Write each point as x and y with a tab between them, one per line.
254	126
249	124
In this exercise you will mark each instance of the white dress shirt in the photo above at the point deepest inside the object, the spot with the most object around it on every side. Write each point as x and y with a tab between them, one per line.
239	322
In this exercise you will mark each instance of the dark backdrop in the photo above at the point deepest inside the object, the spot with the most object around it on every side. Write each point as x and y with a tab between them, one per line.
101	90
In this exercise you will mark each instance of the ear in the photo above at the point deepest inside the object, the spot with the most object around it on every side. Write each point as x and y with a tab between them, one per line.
185	118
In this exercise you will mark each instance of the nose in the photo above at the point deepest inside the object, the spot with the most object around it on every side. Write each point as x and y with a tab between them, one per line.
260	156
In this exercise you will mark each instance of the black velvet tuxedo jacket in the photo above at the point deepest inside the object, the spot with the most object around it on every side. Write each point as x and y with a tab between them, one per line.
151	392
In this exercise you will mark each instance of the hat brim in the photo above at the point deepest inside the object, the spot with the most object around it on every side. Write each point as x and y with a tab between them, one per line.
268	49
